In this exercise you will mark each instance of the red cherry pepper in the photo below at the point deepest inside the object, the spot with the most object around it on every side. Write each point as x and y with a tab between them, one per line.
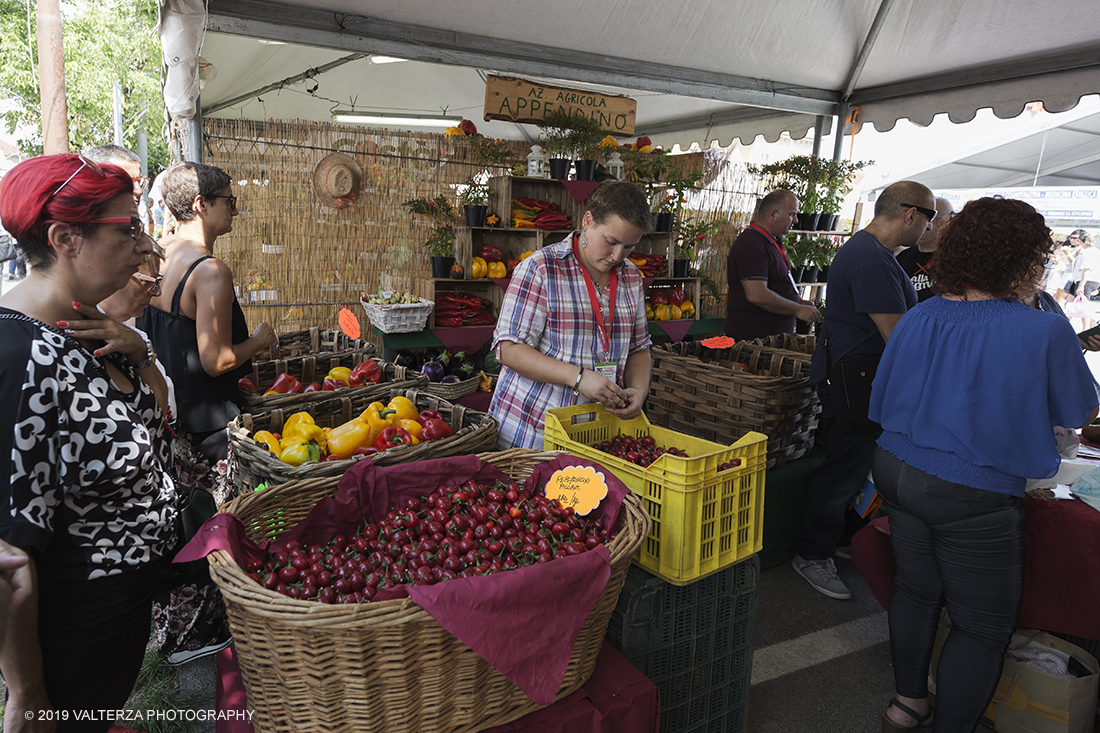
435	429
392	437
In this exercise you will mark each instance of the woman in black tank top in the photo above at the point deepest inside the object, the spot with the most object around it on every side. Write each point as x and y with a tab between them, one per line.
196	325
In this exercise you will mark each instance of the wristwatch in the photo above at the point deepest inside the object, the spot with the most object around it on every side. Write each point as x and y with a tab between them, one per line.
577	384
150	357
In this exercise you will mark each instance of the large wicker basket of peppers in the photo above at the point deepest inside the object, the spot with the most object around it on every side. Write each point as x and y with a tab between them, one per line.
325	438
418	587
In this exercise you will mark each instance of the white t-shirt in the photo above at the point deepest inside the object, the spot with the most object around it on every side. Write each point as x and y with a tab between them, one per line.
1088	259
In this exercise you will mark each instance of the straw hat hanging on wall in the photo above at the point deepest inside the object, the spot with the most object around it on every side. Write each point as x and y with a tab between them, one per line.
337	180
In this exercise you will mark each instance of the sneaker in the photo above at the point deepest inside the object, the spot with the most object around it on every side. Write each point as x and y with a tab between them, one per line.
183	656
821	574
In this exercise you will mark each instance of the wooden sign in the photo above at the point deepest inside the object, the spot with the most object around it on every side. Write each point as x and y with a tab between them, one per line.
519	100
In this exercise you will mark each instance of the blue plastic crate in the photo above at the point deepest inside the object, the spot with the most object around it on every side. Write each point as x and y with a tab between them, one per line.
694	642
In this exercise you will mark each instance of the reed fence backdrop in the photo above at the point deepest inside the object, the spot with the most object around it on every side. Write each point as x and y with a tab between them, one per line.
298	261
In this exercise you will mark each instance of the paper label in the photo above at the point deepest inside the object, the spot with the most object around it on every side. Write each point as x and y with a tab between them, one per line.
608	371
581	487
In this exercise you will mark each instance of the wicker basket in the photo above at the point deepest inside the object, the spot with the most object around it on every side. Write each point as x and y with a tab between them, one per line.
760	360
803	344
399	318
453	391
388	665
252	464
393	377
718	401
306	354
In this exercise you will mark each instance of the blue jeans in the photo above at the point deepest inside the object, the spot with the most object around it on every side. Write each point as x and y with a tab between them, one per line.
961	546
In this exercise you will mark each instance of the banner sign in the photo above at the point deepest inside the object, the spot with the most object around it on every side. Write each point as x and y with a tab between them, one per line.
1062	207
519	100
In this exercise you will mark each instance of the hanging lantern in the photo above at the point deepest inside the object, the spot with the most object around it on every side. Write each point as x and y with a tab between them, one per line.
536	162
615	165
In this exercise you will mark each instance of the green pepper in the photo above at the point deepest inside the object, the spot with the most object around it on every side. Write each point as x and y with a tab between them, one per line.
299	453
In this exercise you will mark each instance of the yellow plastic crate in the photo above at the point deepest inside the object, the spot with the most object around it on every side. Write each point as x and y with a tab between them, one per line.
703	520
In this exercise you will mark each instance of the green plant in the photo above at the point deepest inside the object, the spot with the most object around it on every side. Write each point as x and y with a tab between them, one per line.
676	186
799	248
489	151
570	134
156	690
823	250
799	174
692	233
474	194
442	212
836	182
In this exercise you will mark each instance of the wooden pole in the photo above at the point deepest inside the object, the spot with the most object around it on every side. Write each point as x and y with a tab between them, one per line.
51	75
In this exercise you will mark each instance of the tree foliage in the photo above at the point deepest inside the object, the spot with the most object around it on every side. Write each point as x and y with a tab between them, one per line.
106	41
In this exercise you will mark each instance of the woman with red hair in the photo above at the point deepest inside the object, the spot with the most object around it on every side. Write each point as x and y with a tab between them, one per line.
83	483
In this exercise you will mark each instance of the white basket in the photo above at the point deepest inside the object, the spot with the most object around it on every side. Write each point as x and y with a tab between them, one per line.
399	318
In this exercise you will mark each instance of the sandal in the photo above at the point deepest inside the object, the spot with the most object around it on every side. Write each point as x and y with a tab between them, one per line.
889	726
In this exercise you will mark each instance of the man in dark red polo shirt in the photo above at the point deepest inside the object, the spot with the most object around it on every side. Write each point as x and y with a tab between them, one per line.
762	299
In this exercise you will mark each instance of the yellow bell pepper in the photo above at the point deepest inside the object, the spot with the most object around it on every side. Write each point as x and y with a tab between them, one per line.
404	407
304	433
527	254
660	312
649	311
264	437
297	418
498	270
479	268
378	417
300	452
341	373
343	439
687	309
413	427
674	313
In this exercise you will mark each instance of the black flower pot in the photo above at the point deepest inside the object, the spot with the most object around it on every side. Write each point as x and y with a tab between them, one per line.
662	221
798	273
811	275
586	170
559	168
823	276
441	266
807	222
681	268
828	222
475	215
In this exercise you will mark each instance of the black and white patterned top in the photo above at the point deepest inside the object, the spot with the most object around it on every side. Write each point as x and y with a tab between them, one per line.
86	487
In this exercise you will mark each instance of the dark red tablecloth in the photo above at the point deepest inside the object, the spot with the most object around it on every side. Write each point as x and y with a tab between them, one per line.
1062	575
616	699
477	401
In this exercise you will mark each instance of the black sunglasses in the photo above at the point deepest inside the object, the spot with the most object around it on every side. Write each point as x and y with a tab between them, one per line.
930	213
232	199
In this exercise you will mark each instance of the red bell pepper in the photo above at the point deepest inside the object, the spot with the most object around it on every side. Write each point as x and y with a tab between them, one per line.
330	385
427	415
368	372
245	384
365	450
392	437
675	296
489	253
285	384
435	429
312	387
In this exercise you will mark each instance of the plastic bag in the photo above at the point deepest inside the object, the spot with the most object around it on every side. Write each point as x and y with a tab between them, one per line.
1078	308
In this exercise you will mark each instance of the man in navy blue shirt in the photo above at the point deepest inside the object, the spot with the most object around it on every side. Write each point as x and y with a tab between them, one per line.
868	294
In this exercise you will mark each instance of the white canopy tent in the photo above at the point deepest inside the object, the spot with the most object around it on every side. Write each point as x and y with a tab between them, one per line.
709	70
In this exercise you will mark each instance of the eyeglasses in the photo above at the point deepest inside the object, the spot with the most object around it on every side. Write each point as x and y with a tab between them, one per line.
137	229
142	181
84	163
232	199
152	282
930	213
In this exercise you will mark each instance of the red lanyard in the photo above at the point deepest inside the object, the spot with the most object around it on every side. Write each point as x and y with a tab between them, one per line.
773	241
604	330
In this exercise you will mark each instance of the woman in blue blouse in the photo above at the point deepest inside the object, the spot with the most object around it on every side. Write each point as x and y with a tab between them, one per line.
969	389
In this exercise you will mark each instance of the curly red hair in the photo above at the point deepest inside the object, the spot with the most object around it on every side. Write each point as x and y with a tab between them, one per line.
30	199
998	246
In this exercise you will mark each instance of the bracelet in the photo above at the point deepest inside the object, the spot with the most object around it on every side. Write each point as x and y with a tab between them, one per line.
150	357
577	384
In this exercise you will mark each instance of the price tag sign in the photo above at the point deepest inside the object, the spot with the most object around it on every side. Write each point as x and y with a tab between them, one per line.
581	487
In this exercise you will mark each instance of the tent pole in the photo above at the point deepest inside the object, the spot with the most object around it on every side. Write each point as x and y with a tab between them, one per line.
819	130
838	142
